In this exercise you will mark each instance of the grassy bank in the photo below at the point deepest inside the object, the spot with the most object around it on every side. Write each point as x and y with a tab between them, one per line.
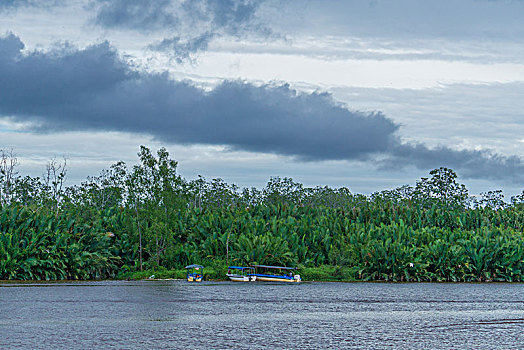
162	273
322	273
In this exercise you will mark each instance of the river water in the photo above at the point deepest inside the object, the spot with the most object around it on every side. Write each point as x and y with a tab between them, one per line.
220	315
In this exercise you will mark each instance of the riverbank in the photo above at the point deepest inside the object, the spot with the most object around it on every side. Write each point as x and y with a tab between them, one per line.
314	274
324	273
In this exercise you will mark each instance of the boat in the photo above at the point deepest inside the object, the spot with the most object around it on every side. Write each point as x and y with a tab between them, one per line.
241	274
266	273
195	273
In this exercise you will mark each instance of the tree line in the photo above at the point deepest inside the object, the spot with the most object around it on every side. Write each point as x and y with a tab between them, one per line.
148	216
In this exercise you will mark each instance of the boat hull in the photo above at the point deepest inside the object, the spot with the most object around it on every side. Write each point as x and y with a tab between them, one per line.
268	278
240	278
194	278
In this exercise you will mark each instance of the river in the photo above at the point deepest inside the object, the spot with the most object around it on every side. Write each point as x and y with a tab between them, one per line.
220	315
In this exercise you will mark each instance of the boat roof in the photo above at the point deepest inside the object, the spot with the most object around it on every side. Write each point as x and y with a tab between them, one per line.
239	267
194	266
275	267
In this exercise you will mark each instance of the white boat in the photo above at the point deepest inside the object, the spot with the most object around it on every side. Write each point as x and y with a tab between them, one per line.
267	273
241	274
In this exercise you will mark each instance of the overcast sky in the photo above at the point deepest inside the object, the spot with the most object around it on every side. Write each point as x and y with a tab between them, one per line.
370	95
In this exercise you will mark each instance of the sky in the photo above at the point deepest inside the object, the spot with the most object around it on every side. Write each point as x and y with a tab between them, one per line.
365	94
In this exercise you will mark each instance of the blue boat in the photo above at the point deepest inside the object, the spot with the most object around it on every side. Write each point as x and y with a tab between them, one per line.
267	273
195	273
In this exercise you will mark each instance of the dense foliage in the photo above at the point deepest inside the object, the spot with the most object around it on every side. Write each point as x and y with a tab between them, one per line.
150	217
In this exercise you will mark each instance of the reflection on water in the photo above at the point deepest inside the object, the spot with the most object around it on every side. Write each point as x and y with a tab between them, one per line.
181	315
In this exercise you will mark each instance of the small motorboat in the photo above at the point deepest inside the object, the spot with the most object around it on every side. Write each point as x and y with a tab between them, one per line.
241	274
195	273
266	273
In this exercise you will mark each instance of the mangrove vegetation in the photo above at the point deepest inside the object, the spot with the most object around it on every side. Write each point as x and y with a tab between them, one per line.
148	217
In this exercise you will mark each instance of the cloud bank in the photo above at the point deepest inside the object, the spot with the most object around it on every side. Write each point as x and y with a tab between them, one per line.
94	89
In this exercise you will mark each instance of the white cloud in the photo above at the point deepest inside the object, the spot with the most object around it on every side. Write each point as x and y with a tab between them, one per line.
399	74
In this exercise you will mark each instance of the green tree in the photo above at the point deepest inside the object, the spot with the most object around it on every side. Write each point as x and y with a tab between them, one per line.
8	175
517	199
283	191
443	188
154	192
493	199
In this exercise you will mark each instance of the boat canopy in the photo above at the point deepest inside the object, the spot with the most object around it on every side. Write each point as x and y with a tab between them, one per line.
240	267
275	267
194	266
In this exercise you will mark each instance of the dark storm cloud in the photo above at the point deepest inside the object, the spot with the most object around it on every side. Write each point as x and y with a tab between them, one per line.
94	89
